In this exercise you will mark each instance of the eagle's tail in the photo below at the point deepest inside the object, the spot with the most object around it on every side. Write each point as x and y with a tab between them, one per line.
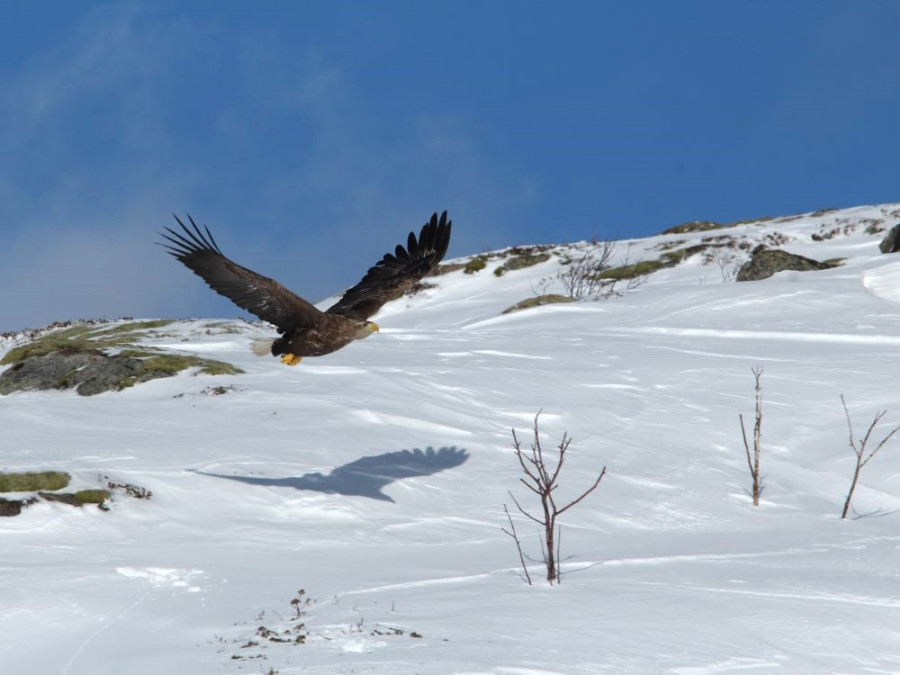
262	347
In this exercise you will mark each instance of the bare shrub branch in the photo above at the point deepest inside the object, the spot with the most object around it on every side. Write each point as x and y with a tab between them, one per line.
580	277
728	263
543	480
860	450
590	274
753	460
515	536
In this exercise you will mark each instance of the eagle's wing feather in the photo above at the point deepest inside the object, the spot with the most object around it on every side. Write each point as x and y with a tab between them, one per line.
396	273
262	296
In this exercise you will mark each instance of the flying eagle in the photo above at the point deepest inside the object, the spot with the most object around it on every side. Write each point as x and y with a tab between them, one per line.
305	330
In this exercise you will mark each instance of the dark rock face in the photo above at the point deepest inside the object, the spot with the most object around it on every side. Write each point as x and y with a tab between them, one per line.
891	243
766	262
88	372
13	507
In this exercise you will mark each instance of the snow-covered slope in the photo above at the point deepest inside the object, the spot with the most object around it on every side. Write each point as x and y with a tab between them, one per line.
374	479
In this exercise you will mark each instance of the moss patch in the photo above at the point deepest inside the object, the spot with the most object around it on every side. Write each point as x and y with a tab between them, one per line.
32	481
139	353
132	327
705	225
822	212
750	221
213	367
693	226
518	262
635	270
669	245
167	365
537	301
514	258
80	498
92	496
48	343
475	265
45	486
672	258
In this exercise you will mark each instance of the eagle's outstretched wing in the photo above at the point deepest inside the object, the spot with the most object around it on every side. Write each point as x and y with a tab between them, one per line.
264	297
396	273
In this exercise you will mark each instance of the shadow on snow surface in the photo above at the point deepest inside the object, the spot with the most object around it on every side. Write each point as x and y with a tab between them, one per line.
367	476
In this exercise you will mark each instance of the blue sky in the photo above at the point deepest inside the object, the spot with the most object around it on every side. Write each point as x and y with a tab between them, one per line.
312	136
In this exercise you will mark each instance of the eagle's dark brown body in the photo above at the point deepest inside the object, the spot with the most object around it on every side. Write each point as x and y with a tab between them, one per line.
305	330
334	333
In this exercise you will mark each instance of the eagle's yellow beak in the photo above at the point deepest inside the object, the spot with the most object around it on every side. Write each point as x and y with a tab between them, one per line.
372	326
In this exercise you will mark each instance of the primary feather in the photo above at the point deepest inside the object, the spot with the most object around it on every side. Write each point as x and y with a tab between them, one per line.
394	275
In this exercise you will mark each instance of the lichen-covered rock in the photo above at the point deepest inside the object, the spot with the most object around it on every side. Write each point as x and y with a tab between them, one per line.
92	358
93	372
13	507
891	243
87	372
766	262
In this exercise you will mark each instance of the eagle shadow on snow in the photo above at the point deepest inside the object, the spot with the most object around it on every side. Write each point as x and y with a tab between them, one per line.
366	476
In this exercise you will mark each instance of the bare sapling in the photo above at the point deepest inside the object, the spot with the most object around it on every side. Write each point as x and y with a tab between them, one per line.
543	479
589	275
727	262
753	458
515	536
859	449
581	277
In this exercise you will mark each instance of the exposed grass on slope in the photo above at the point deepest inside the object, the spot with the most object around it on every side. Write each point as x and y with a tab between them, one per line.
32	481
537	301
635	269
164	365
84	338
518	262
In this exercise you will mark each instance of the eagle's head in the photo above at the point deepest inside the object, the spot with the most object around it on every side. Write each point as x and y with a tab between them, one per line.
366	329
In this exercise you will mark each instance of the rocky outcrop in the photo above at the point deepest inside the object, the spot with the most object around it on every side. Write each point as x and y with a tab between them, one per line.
93	372
92	357
13	507
766	262
891	243
87	372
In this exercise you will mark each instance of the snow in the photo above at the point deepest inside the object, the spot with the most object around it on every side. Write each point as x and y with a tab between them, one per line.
374	479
